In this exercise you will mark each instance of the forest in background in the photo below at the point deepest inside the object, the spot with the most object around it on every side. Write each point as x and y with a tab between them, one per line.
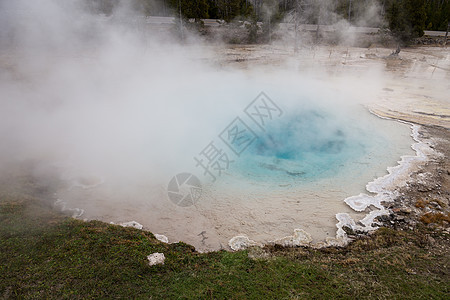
410	16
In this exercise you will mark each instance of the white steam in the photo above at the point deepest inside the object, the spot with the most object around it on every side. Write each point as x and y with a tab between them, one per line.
119	99
112	97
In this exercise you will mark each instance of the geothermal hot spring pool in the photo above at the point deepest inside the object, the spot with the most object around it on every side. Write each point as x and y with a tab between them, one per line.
294	173
121	116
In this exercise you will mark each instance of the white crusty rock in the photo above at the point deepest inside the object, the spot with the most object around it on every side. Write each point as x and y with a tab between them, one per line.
161	238
133	224
76	212
363	201
241	242
156	259
299	238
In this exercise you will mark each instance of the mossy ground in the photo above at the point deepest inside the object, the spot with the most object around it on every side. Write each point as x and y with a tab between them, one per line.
46	255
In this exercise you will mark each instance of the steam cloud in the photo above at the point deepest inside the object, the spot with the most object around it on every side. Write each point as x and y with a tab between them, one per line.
120	100
103	95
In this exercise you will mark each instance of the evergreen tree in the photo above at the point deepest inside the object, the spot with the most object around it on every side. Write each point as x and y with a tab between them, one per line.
191	9
406	18
438	14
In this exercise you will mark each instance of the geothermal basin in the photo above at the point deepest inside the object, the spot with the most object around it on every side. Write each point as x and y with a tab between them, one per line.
285	146
291	176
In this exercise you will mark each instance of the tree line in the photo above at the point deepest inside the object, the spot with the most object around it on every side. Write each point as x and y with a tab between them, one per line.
405	18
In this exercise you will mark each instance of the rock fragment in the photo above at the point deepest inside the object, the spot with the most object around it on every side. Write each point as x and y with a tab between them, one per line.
133	224
156	259
161	238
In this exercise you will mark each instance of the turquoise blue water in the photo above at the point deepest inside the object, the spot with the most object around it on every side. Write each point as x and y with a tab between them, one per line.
309	145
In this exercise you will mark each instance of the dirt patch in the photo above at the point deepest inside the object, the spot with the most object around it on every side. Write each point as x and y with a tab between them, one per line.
426	197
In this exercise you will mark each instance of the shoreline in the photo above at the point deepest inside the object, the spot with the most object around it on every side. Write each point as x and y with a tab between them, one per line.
384	189
399	100
381	190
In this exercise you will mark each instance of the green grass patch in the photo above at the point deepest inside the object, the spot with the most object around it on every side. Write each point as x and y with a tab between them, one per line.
46	255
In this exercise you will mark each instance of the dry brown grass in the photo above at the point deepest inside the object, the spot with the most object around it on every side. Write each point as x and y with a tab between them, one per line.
436	218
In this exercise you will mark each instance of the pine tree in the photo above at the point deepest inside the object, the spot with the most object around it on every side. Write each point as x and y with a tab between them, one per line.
406	18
